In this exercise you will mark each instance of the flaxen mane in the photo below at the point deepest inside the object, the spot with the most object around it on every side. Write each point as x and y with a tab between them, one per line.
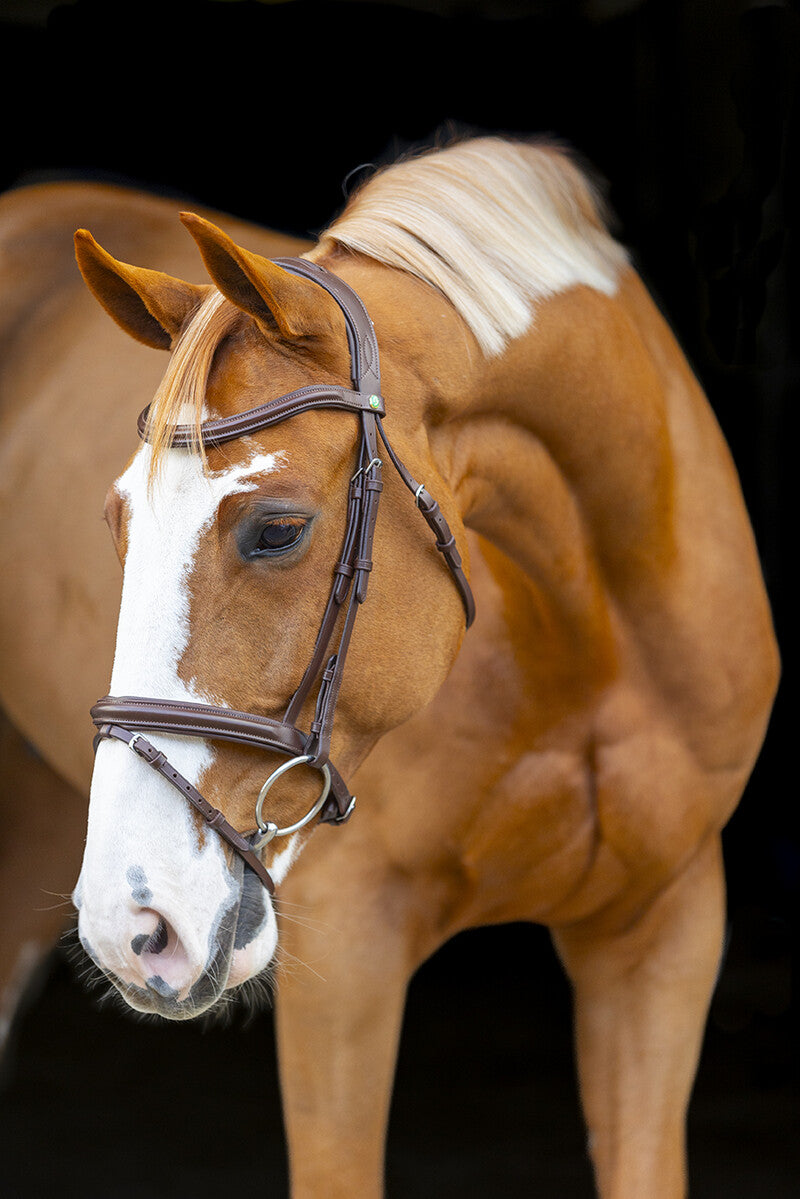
496	226
181	393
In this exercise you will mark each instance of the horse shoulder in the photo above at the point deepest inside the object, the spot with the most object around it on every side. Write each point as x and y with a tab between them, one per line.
596	464
601	406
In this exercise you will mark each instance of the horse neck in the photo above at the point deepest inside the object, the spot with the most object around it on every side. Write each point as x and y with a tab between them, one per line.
558	451
584	388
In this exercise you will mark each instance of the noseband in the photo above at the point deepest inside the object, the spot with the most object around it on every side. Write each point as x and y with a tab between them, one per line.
125	718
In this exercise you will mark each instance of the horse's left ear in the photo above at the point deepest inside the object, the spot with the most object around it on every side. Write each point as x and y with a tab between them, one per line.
277	300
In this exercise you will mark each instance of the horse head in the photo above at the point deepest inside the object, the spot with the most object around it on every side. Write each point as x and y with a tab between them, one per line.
230	549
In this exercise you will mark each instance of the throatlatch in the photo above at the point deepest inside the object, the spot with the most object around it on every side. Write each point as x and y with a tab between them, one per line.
125	718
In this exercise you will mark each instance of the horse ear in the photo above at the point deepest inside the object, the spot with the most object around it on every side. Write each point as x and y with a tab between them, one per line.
150	306
277	300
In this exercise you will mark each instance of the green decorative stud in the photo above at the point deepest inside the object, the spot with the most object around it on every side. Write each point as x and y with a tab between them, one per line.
374	402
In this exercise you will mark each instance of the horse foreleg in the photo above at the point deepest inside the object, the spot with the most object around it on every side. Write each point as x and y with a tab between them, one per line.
641	999
341	994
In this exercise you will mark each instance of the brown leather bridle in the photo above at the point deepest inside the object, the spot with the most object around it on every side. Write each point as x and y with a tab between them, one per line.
124	718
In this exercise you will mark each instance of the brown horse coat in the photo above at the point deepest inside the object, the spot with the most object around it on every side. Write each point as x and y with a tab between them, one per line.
572	765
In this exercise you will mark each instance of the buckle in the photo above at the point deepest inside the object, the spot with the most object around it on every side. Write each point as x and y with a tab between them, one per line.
140	753
149	753
347	813
363	470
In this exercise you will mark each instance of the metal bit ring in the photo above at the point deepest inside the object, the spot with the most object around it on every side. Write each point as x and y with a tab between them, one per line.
267	829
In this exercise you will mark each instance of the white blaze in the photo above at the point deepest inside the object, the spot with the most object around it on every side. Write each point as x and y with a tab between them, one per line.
137	821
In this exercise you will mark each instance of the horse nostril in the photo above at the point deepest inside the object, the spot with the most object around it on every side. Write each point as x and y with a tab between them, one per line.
155	943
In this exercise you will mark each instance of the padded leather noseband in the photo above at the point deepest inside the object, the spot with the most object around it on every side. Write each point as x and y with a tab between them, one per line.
126	718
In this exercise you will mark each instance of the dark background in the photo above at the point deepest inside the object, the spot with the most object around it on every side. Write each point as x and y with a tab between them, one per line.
690	111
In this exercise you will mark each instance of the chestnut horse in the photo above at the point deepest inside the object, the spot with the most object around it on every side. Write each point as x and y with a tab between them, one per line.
571	760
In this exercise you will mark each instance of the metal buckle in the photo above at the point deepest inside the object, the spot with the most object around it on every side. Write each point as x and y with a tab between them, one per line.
267	829
345	816
363	470
132	745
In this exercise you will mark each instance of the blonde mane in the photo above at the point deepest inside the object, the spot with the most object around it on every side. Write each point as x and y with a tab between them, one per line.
495	225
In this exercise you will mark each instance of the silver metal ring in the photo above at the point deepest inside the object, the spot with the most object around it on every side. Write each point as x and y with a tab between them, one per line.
418	494
267	826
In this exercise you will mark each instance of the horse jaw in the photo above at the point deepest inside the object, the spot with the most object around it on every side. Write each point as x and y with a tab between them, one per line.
162	913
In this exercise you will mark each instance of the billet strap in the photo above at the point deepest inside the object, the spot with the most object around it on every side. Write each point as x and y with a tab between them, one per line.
350	579
332	675
159	761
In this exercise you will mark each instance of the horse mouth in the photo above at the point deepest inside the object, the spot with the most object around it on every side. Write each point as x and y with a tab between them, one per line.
158	998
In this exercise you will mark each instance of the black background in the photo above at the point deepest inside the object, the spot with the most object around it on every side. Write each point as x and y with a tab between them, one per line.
690	112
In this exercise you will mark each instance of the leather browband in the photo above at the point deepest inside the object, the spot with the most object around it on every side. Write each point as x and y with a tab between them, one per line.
227	428
124	718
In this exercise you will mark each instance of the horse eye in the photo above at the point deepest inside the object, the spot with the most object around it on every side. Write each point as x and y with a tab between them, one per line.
279	535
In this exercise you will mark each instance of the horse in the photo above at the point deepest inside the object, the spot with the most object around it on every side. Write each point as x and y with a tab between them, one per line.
550	707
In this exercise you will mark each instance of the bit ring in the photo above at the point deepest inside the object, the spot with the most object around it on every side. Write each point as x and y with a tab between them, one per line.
267	829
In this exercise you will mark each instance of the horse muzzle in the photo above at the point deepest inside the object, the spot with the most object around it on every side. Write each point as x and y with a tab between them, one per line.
163	960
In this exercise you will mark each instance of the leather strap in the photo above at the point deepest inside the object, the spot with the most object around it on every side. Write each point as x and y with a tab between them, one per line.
222	724
228	428
212	816
445	541
117	716
361	340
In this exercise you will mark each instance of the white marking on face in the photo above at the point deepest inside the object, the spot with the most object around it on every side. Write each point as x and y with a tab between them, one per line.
136	819
163	537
